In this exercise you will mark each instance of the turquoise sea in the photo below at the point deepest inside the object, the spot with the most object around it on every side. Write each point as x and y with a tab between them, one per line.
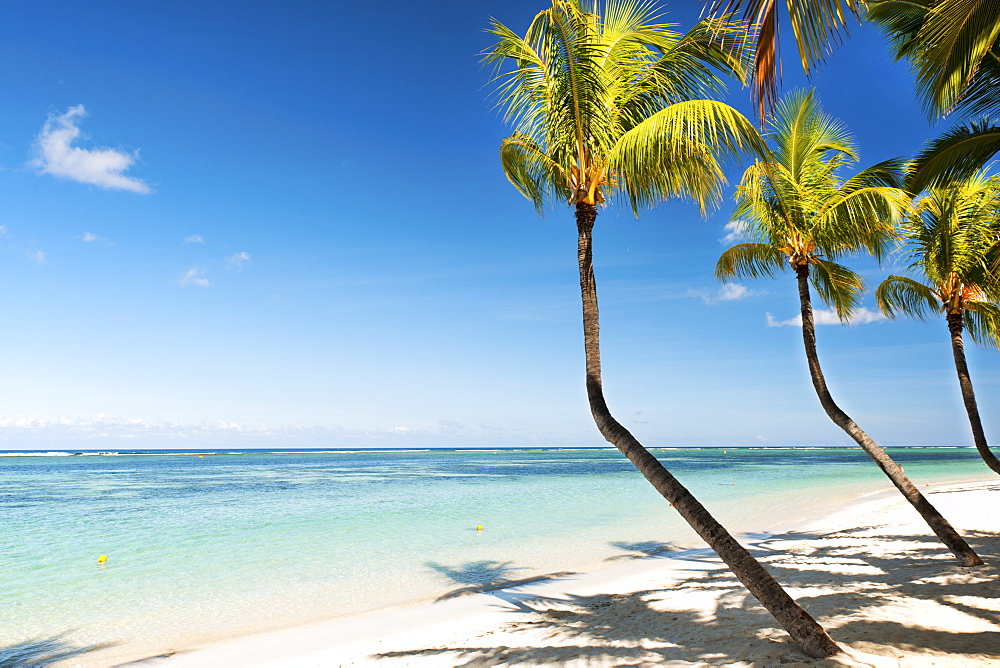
205	545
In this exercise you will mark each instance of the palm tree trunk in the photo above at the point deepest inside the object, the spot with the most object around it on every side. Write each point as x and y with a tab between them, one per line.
894	471
803	629
968	395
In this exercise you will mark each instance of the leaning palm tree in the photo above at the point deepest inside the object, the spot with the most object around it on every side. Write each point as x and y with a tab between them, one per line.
802	216
951	235
604	105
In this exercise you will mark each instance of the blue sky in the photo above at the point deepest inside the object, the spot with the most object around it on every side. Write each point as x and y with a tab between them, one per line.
264	224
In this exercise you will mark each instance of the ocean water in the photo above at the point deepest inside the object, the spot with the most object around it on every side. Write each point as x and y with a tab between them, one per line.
206	545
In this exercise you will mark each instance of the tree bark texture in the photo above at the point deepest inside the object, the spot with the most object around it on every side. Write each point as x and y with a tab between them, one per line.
940	526
955	326
803	629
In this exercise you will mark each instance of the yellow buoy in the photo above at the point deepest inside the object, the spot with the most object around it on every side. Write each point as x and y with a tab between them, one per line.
479	527
101	559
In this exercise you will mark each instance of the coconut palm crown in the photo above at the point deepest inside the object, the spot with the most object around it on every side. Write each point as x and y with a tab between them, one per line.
612	103
953	239
800	214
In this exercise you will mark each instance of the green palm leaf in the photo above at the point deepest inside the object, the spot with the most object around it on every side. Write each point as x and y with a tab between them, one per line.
818	27
982	321
953	156
750	260
534	174
676	152
837	286
899	294
953	47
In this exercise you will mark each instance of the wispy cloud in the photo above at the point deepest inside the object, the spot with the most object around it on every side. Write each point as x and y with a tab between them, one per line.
103	426
102	167
194	239
194	276
735	231
862	316
37	255
89	238
237	260
727	292
3	230
113	431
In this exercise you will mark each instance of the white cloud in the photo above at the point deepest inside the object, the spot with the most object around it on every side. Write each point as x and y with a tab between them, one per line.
102	167
194	276
88	237
735	231
38	256
104	426
102	431
728	292
862	316
237	260
3	230
194	239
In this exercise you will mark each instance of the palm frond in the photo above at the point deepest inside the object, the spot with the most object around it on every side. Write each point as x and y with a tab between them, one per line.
533	173
959	35
854	219
982	321
953	155
899	295
818	27
750	260
952	46
675	152
802	131
837	286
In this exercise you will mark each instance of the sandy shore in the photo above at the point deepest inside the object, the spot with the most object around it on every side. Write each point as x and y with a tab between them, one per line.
872	574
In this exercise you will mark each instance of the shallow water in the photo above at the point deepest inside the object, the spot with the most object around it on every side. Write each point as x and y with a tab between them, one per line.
207	545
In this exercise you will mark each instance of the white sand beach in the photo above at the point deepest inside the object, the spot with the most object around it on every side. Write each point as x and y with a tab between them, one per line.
872	574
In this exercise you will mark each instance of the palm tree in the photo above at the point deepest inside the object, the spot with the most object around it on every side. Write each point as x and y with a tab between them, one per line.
802	216
602	105
951	235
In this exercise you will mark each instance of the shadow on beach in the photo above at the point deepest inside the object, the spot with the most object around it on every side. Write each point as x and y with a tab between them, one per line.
905	596
479	577
43	652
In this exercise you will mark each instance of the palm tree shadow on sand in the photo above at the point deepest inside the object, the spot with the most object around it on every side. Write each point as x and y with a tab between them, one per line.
859	596
43	652
478	577
641	549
